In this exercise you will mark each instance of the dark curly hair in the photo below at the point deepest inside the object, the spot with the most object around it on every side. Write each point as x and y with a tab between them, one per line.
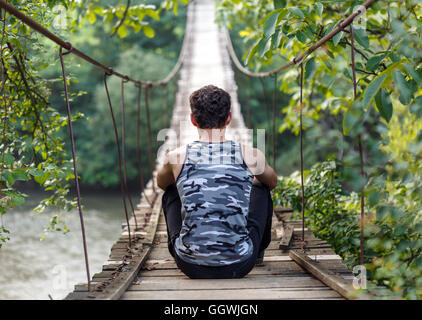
210	106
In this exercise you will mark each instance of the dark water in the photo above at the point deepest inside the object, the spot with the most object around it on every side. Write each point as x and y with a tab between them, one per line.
32	269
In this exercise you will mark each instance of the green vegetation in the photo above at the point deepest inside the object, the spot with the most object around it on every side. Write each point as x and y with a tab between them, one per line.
34	133
136	40
386	115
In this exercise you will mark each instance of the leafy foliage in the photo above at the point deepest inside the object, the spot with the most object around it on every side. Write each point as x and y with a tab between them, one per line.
386	115
33	122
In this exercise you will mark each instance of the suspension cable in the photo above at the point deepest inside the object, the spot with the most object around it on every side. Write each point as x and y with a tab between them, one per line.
66	45
267	109
75	170
362	171
3	85
150	151
344	23
138	146
119	156
123	113
274	136
301	155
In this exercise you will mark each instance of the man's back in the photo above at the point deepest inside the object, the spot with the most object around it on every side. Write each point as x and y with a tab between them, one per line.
218	217
214	186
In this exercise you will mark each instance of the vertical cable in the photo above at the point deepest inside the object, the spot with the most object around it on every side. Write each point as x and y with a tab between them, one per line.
274	120
151	161
124	153
248	103
362	172
267	111
301	156
75	170
3	85
138	145
119	157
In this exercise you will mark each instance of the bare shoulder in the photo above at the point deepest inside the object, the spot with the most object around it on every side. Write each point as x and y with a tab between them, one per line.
176	156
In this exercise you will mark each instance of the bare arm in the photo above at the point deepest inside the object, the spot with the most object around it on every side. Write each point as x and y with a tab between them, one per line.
256	162
173	162
165	175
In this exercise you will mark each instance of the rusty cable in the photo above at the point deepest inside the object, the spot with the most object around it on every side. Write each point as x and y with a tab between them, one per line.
138	141
267	110
123	114
274	121
301	155
45	32
3	85
340	27
150	151
248	103
119	156
75	170
362	172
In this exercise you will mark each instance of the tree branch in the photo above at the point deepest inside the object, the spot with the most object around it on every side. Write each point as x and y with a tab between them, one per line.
122	20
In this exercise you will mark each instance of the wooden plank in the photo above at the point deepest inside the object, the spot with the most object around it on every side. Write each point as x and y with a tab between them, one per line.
332	280
77	296
123	280
133	261
160	253
248	282
287	238
234	294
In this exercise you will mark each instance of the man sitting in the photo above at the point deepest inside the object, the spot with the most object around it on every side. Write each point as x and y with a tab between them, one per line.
217	200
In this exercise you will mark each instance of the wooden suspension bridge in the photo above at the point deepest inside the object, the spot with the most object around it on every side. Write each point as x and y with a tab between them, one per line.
147	270
139	265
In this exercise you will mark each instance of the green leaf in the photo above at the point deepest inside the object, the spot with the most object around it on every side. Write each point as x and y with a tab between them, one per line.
413	73
36	172
252	52
279	4
337	38
20	174
361	37
148	31
153	14
418	262
384	105
319	8
122	32
92	17
405	94
18	199
373	62
8	176
301	36
271	23
310	69
372	89
9	159
264	45
297	12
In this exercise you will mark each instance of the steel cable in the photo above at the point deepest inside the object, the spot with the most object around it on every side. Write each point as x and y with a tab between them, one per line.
75	170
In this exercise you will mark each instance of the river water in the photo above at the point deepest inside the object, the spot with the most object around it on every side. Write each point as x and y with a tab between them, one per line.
33	269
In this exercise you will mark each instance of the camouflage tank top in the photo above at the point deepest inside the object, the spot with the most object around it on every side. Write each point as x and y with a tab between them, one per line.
214	186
